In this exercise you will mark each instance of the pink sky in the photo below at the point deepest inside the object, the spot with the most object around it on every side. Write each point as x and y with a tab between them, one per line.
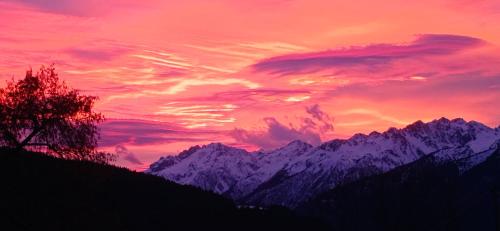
258	74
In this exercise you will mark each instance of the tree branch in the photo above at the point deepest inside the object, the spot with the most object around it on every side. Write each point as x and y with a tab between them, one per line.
28	138
37	144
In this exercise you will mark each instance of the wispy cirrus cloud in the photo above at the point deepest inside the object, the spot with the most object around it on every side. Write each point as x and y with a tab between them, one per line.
371	57
249	96
96	55
206	80
442	87
143	132
88	8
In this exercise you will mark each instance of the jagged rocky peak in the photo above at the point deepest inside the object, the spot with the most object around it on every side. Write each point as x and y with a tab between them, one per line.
216	146
189	151
162	163
478	126
417	126
359	137
167	161
295	172
332	145
457	123
374	134
292	149
445	130
297	145
441	123
219	149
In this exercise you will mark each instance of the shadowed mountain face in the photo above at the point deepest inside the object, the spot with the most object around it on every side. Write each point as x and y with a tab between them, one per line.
297	172
427	194
44	193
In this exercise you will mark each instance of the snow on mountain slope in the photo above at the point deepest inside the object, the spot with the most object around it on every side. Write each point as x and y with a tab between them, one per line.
214	167
298	171
464	156
225	170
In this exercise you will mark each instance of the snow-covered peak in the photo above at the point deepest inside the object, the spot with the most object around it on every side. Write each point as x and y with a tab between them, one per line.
298	143
219	148
297	171
296	146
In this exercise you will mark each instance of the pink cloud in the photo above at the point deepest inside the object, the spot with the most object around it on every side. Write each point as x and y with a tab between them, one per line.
370	58
78	8
143	132
125	154
95	55
176	80
277	134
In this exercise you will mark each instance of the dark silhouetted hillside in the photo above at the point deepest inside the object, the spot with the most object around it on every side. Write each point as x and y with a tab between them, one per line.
422	195
44	193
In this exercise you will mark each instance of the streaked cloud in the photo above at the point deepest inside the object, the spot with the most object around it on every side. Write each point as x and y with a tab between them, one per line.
171	74
182	84
90	54
376	114
371	57
77	8
145	132
297	98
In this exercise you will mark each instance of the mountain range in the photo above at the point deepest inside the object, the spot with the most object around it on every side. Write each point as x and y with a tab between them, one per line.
427	194
298	172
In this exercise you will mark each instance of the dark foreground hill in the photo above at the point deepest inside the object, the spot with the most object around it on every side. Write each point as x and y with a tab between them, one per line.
44	193
424	195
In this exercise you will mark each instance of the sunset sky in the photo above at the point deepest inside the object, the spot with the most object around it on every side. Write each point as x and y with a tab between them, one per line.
259	74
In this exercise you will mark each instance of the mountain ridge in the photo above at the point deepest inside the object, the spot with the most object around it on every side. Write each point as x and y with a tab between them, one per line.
298	171
427	194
